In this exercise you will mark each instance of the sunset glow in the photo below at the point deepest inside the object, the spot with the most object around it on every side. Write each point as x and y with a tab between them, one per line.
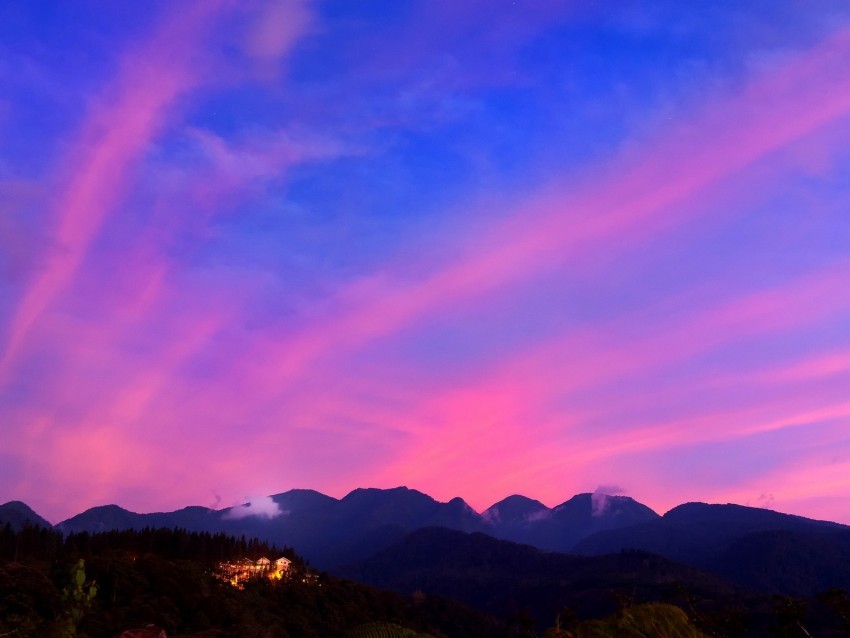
475	248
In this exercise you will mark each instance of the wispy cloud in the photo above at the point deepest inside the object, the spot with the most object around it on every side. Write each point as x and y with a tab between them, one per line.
600	499
117	131
258	506
644	194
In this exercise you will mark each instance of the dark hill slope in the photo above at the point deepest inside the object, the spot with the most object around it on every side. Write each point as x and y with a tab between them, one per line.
503	577
163	577
781	561
750	546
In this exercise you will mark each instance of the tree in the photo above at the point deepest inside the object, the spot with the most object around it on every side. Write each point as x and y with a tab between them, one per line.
77	598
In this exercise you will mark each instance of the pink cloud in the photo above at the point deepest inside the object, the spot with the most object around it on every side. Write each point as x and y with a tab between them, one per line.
278	26
817	483
527	399
116	133
818	367
475	40
443	432
631	201
127	330
20	235
232	172
381	305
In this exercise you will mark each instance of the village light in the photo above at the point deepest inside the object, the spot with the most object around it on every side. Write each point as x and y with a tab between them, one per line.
245	569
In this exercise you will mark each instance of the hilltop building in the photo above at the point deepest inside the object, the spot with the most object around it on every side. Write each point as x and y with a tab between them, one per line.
236	573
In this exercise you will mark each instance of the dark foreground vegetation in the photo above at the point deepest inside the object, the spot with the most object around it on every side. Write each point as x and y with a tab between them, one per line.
99	585
167	578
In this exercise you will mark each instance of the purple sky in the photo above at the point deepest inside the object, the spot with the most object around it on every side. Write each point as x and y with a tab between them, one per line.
476	248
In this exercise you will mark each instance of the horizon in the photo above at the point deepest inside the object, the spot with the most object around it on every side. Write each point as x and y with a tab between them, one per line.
478	511
489	247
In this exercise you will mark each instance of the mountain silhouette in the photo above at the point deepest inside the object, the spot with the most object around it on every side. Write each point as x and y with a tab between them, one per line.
332	532
516	510
754	547
18	514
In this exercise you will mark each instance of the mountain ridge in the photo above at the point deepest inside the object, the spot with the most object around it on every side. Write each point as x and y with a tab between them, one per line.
304	493
17	514
757	548
333	532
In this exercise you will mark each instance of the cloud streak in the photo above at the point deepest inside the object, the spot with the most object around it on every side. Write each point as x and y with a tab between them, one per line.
116	132
640	198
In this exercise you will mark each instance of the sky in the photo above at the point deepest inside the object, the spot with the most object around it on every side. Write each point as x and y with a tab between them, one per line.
478	249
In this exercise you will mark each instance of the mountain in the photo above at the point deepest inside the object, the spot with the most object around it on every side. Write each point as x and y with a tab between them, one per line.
327	531
516	511
331	532
112	517
370	519
18	514
754	547
502	577
300	500
404	508
524	520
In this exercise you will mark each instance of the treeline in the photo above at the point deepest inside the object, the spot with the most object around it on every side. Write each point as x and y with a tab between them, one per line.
46	545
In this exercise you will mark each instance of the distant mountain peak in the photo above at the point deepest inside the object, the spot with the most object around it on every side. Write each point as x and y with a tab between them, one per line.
516	509
362	493
599	504
112	507
300	491
302	499
390	493
18	514
17	506
718	512
459	503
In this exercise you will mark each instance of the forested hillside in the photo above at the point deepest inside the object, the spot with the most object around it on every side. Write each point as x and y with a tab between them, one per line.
100	585
166	578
